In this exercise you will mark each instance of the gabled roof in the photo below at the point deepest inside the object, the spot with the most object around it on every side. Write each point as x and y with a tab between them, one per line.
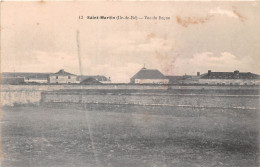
63	73
90	81
97	77
248	75
148	74
178	79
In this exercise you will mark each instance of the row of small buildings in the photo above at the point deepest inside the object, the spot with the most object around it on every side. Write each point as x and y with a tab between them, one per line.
153	76
143	76
60	77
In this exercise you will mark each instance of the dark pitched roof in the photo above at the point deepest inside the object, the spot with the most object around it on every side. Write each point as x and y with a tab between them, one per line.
230	75
63	73
90	81
148	74
175	79
180	79
248	76
97	77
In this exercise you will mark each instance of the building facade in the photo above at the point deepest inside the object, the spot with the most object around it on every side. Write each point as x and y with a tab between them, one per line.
149	76
62	77
27	77
229	78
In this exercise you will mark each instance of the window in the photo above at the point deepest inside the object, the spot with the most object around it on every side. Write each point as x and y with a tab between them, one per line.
68	77
57	77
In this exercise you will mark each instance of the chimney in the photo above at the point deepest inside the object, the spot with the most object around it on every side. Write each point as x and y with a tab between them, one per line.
198	73
209	73
236	74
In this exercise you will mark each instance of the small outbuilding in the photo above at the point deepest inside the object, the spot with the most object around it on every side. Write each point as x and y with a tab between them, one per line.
90	81
100	78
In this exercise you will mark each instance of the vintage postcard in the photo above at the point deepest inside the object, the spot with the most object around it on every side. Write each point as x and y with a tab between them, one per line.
130	83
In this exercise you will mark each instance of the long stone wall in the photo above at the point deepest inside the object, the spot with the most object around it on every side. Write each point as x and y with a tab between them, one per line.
164	99
31	94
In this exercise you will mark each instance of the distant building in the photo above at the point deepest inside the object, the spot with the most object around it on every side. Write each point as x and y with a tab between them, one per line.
37	78
62	77
24	77
99	78
229	78
12	80
90	81
185	79
149	76
192	79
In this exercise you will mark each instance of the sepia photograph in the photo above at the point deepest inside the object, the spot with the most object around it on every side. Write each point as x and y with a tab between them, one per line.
129	83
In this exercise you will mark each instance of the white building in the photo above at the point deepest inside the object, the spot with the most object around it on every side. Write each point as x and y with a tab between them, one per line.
149	76
63	77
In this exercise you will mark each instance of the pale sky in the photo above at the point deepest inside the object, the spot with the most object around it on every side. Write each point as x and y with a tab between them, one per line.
200	36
